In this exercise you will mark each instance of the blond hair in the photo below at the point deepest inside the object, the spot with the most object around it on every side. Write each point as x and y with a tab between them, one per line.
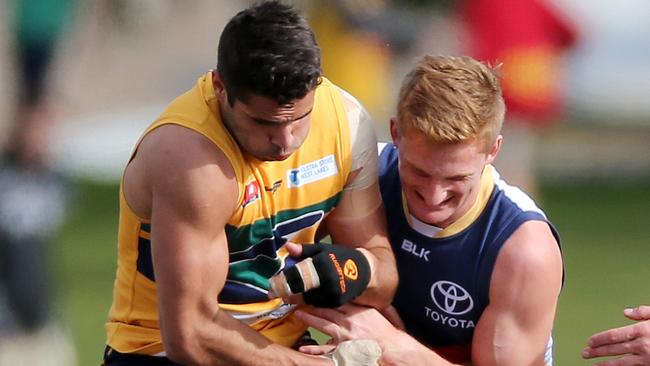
452	99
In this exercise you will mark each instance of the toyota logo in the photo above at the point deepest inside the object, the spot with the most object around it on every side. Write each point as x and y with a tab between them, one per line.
451	298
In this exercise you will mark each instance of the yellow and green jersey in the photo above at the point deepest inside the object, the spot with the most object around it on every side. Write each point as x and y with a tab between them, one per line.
277	201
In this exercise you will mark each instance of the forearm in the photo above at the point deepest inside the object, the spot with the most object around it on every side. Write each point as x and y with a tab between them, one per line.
383	281
224	340
405	350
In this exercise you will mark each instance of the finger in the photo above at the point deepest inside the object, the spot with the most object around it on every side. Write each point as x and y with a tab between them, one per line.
613	336
310	250
639	313
333	315
294	249
311	320
322	324
631	360
607	350
295	299
317	350
296	279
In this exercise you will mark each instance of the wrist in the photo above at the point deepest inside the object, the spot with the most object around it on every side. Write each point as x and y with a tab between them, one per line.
401	349
372	263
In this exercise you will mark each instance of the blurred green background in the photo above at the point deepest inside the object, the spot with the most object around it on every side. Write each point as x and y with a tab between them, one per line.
604	230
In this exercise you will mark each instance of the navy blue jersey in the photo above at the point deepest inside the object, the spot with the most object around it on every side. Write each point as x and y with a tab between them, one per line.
444	281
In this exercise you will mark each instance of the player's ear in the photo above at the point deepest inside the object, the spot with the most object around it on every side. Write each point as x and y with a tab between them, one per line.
218	85
394	133
494	150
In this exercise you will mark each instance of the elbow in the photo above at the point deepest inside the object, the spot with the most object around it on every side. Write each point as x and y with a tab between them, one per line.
182	348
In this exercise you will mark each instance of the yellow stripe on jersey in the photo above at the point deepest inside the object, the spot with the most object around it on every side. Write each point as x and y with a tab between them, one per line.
487	186
277	201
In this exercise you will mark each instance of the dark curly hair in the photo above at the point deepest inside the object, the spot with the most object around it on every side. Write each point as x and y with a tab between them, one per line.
270	50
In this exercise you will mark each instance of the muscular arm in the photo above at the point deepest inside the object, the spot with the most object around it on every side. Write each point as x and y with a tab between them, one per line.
192	192
359	220
515	327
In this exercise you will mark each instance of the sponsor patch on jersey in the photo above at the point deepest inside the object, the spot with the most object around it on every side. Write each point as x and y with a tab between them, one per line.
451	298
274	187
251	193
312	171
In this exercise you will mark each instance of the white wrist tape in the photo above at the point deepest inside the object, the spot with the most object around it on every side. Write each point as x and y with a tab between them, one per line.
358	352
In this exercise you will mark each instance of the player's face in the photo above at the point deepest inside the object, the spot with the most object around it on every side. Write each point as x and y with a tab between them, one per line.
268	130
440	181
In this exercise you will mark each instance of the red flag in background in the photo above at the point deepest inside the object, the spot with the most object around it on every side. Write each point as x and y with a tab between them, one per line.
528	37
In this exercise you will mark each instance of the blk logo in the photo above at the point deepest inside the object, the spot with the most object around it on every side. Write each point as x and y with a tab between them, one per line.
412	248
451	298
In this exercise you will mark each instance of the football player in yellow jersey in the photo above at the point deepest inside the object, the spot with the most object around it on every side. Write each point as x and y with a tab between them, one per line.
262	151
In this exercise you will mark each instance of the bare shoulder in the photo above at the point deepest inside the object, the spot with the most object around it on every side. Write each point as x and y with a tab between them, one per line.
171	144
530	258
180	165
531	246
363	140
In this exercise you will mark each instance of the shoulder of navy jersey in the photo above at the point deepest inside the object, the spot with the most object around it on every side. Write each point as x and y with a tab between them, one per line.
520	201
389	182
387	157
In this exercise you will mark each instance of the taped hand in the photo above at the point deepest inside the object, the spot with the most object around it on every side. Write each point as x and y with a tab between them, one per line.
330	276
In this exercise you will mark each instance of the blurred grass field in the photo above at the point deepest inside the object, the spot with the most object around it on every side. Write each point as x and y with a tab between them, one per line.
604	230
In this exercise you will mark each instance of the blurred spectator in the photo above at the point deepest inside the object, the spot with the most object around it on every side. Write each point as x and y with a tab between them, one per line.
359	39
529	38
32	203
32	197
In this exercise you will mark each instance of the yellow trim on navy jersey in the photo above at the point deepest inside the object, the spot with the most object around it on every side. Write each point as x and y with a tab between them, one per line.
487	186
485	191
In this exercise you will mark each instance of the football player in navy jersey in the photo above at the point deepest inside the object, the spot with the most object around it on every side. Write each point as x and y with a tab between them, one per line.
480	266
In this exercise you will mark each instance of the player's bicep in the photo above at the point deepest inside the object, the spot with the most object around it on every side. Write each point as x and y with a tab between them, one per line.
516	326
192	192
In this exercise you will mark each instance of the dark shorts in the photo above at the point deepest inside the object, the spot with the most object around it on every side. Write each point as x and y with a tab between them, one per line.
114	358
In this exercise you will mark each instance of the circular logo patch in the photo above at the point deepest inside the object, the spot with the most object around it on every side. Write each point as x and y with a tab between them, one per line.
350	269
451	298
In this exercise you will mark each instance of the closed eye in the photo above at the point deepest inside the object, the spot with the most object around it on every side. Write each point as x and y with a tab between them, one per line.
460	178
420	173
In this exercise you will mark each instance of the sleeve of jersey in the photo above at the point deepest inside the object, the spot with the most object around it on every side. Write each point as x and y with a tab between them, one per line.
364	144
